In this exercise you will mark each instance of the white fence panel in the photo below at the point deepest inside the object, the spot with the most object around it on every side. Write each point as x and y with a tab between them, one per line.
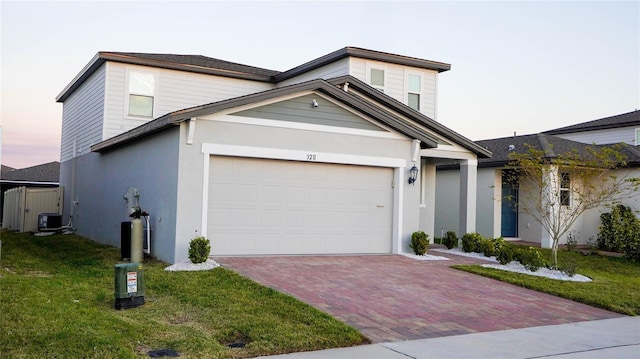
22	206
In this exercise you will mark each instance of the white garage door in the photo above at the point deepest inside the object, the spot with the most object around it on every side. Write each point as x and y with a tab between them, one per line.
259	206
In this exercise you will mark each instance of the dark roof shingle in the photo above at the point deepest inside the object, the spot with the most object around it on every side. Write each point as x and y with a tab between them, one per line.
622	120
48	172
552	145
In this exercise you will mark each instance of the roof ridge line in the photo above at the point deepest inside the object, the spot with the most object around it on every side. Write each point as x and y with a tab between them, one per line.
546	146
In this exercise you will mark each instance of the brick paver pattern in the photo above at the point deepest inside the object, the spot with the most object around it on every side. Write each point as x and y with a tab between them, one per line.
393	298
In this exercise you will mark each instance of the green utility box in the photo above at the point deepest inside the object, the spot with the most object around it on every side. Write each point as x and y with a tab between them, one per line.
129	285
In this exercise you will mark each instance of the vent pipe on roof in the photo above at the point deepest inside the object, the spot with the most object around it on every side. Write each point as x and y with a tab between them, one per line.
345	87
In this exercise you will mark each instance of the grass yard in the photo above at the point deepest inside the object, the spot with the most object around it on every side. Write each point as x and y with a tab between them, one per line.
56	300
615	285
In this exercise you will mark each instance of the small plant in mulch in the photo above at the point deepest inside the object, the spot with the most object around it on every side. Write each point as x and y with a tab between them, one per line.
450	240
471	242
199	249
419	243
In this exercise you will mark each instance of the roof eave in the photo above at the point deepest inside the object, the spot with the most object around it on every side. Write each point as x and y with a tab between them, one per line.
102	57
84	74
411	113
562	131
363	54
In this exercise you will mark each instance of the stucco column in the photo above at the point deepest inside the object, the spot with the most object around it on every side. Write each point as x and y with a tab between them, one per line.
468	188
550	202
428	200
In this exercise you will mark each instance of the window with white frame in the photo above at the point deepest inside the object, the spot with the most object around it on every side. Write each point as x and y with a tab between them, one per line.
376	78
141	93
414	85
565	189
637	136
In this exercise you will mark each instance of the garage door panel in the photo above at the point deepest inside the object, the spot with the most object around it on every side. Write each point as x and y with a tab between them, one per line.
259	206
269	218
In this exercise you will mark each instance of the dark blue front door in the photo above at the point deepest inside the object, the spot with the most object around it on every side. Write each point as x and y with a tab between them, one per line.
509	210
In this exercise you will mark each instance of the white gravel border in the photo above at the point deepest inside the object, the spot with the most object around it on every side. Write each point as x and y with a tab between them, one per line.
426	257
186	265
517	267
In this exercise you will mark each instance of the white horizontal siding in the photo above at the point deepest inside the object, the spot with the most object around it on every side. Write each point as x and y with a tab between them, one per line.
82	116
603	137
358	68
428	100
334	69
176	90
180	90
395	77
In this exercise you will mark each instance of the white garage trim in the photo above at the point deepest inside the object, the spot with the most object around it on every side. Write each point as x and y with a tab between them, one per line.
399	165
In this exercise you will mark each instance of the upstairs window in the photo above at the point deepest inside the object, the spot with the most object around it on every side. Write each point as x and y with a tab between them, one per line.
413	91
376	78
141	94
565	189
637	137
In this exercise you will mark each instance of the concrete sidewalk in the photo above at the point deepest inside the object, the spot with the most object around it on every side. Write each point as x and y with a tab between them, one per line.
607	338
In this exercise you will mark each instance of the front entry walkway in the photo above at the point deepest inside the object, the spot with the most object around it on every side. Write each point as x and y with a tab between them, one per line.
393	298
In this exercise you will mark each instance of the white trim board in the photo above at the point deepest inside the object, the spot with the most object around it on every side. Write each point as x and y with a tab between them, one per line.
308	126
296	155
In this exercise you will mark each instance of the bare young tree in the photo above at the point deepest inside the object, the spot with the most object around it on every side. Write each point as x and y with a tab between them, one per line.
555	189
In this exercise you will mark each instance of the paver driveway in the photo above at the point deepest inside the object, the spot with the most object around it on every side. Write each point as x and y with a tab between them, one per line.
393	298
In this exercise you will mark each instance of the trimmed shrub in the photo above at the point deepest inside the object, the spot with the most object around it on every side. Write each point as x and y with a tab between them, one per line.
450	240
419	242
618	227
488	247
505	253
532	259
471	242
620	232
499	243
632	248
199	249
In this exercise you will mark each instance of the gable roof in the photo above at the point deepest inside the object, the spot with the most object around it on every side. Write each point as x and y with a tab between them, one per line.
552	145
211	66
407	111
190	63
318	85
623	120
48	172
327	87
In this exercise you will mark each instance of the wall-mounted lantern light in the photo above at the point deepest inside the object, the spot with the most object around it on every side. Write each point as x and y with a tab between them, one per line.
413	174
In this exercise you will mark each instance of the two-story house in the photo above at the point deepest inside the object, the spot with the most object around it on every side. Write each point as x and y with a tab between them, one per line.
614	129
334	156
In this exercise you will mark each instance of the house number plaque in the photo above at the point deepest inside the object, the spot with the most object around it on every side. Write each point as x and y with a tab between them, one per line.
311	157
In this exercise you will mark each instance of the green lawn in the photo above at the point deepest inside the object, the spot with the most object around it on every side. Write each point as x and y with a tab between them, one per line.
615	281
56	300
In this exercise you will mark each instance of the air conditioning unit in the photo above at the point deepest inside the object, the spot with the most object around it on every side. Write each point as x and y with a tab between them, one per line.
48	222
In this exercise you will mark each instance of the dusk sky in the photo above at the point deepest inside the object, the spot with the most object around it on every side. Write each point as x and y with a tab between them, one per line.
515	66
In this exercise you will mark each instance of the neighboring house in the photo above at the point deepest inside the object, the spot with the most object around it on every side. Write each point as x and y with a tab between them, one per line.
497	197
313	160
41	176
615	129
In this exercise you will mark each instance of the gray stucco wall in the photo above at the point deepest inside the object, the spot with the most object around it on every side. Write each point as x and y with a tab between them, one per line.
488	197
447	202
206	131
101	181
